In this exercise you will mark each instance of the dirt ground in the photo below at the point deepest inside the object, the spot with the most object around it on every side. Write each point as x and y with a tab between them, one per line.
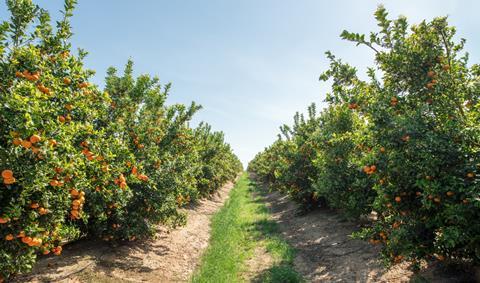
326	253
171	257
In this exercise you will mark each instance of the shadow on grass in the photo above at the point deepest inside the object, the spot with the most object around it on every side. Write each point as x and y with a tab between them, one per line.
268	231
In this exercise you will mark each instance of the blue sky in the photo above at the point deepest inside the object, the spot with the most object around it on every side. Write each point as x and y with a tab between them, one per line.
251	63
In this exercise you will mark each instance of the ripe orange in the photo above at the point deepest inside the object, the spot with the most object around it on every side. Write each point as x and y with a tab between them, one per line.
67	81
35	138
34	205
7	174
446	67
27	240
42	211
143	177
382	149
471	175
9	237
26	144
74	192
398	199
17	141
61	119
431	74
450	193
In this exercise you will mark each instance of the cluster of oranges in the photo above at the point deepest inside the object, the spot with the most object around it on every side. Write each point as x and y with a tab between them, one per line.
142	177
29	143
353	106
7	176
33	241
40	210
43	89
121	181
77	203
35	76
369	170
88	154
432	75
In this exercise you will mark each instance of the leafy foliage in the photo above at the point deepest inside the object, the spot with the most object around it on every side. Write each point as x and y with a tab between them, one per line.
404	143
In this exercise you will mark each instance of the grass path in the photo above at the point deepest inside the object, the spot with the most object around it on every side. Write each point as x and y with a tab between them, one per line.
245	244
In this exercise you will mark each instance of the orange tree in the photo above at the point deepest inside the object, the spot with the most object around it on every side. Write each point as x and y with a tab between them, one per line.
405	144
288	164
76	161
423	122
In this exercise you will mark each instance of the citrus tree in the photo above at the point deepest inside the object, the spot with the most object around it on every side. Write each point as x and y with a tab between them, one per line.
77	161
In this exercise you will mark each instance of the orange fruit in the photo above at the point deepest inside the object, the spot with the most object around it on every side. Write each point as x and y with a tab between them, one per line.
382	149
7	174
61	119
74	192
470	175
42	211
398	199
52	142
27	240
17	141
67	81
83	85
431	74
34	205
450	193
35	138
9	237
143	177
26	144
446	67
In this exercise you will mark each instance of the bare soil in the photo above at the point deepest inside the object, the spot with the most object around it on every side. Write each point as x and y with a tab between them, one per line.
326	253
171	257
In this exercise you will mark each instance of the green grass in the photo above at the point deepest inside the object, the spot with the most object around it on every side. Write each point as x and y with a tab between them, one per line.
238	228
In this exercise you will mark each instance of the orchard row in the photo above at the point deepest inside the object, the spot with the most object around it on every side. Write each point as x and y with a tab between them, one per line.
403	143
78	161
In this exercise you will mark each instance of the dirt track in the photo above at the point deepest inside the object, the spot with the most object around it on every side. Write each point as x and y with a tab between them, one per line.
326	253
171	257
